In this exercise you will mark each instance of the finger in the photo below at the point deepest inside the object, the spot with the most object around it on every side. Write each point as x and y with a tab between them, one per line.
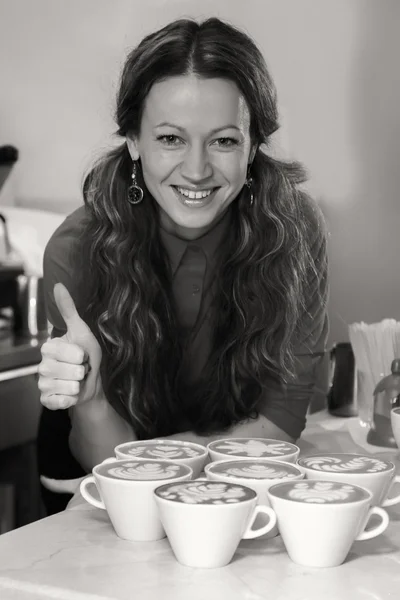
62	340
54	369
57	401
58	386
63	351
65	304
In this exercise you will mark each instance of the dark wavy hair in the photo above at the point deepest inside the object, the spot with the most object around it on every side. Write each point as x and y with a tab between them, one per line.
266	257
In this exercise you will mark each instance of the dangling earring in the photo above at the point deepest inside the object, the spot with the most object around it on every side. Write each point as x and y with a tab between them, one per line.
135	192
249	183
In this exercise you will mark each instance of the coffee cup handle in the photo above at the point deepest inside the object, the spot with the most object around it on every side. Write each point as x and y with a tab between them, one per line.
380	528
250	533
394	499
87	495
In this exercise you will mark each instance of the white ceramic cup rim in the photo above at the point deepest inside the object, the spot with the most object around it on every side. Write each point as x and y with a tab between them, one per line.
395	411
117	461
209	468
202	449
204	504
322	505
352	454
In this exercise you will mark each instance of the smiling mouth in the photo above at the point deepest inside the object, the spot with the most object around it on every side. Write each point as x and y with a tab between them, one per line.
193	196
195	202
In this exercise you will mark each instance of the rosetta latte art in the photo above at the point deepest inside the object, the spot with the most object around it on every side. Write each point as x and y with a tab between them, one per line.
163	452
205	493
254	448
334	464
321	492
140	470
259	472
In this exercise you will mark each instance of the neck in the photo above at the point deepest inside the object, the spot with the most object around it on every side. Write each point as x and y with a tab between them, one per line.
184	233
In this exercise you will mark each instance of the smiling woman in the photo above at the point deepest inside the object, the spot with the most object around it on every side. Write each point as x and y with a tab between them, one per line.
193	303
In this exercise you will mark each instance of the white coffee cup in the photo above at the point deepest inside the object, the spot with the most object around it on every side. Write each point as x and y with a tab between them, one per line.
193	455
126	491
320	520
370	472
258	475
255	448
395	421
205	520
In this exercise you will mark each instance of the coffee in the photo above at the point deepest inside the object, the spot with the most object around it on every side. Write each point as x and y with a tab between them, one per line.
254	469
138	471
205	492
345	463
319	492
162	450
253	447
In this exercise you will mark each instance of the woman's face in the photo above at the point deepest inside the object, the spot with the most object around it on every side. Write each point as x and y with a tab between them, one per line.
194	146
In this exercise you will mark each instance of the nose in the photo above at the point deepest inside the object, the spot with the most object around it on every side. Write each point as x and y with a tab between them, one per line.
196	165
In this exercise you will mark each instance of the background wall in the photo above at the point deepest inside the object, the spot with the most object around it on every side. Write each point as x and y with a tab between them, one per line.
336	69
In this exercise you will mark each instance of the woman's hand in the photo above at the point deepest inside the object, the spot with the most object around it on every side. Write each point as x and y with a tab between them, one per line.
69	372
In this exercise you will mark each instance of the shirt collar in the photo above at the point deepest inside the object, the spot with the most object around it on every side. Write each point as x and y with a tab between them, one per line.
209	242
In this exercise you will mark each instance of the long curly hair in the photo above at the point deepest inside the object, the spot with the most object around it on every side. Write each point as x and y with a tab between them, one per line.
266	259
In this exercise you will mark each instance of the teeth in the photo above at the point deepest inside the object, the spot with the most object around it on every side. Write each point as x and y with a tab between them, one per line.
194	195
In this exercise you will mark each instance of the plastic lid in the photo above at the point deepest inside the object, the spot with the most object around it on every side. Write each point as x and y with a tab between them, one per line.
395	366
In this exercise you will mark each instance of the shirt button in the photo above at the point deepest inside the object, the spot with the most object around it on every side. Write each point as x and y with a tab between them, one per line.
195	289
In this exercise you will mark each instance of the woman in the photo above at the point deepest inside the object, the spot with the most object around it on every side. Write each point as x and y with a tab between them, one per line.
194	291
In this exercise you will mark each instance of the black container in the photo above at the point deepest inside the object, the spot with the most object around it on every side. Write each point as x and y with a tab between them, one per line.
342	395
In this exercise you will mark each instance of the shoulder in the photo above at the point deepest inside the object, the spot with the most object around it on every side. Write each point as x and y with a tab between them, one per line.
59	251
68	232
60	264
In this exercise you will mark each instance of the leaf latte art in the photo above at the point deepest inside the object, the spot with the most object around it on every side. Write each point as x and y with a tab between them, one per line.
198	492
142	470
258	472
163	452
334	464
321	492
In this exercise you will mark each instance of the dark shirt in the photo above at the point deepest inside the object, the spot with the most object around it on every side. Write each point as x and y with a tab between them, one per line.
194	267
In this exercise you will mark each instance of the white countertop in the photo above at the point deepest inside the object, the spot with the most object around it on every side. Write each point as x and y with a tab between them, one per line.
76	555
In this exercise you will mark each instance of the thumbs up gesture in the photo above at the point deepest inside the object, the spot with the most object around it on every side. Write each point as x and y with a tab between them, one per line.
69	372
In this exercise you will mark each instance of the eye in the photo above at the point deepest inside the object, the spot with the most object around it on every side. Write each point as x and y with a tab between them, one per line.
168	140
227	142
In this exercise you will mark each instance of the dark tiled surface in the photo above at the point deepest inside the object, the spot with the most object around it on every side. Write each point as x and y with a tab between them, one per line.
17	352
19	476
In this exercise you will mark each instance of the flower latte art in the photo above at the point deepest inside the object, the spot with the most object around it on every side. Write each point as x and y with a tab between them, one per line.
256	470
142	471
253	448
168	452
319	492
345	464
204	492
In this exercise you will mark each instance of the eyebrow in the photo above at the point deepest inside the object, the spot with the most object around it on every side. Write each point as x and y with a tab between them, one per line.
166	124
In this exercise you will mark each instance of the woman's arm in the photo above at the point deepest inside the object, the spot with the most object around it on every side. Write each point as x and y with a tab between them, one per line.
96	429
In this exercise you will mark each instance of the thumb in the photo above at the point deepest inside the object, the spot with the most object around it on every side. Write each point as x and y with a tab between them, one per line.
67	308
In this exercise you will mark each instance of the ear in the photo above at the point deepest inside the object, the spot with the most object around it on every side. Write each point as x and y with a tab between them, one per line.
132	147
